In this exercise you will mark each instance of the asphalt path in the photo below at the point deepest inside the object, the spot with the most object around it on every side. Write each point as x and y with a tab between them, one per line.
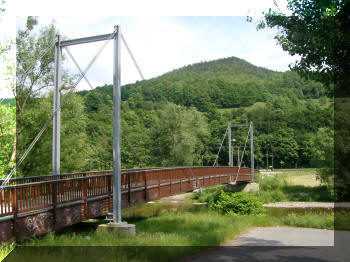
282	244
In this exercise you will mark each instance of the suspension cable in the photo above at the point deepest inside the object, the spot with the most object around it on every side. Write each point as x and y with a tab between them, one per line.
132	57
8	177
106	109
155	102
222	142
240	162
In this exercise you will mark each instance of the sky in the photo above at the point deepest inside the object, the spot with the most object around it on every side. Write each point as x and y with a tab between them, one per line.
161	39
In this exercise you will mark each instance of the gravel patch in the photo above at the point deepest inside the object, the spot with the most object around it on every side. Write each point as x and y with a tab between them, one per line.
309	205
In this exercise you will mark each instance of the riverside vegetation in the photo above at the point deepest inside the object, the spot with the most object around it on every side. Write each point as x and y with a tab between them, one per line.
293	117
199	227
293	121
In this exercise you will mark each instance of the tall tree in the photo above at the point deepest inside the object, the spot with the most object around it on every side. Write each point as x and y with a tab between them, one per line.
319	31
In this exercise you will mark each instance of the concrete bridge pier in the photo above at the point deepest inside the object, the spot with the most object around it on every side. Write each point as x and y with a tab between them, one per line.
122	228
242	186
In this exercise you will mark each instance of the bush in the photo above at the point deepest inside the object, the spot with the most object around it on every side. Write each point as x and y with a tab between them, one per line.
240	203
272	183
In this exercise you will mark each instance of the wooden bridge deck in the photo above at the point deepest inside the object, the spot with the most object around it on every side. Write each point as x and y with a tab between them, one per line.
35	205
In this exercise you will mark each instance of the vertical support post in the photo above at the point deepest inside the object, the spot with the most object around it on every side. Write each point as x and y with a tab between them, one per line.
109	185
116	130
54	202
56	146
267	160
145	179
84	185
14	210
229	146
272	160
238	158
129	189
252	150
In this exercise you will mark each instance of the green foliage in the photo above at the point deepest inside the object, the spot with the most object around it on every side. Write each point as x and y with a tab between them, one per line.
240	203
5	249
276	188
207	195
7	134
270	189
341	220
310	221
271	183
203	228
74	150
186	125
313	31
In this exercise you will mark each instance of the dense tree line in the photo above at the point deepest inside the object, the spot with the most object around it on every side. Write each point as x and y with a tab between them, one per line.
176	119
173	131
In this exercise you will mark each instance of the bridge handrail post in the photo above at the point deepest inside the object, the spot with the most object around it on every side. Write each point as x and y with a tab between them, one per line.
54	202
109	190
15	211
84	185
157	172
129	189
170	180
145	180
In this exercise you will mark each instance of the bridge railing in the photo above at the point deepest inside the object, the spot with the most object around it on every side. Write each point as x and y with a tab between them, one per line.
34	179
73	198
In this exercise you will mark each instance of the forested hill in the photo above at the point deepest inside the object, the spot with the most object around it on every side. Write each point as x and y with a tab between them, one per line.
292	120
224	83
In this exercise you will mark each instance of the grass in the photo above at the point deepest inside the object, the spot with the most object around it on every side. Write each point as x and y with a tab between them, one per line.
309	221
292	185
303	177
176	233
207	194
204	228
5	249
180	235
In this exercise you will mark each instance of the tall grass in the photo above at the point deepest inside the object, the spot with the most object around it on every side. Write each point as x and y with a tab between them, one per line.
169	233
277	189
205	228
5	249
309	220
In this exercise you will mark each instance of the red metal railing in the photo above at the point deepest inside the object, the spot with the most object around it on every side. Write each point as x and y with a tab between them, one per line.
89	194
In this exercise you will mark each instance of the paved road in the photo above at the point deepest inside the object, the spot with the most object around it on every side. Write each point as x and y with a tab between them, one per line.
284	236
282	244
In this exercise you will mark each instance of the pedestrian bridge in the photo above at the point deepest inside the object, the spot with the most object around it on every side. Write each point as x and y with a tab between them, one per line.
31	206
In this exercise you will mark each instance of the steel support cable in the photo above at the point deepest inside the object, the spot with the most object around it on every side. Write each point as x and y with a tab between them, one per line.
222	142
8	177
106	109
152	96
132	57
240	162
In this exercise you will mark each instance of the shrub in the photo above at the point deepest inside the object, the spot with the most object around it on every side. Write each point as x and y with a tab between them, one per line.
272	183
240	203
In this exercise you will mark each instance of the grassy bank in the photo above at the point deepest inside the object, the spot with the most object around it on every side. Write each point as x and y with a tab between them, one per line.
196	228
292	185
201	229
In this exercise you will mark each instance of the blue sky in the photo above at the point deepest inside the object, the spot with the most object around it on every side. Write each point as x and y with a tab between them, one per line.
163	43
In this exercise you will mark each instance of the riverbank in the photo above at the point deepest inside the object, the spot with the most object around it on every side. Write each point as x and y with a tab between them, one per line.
177	221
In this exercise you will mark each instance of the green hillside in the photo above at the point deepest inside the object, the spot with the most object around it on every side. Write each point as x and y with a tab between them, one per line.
180	118
223	83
